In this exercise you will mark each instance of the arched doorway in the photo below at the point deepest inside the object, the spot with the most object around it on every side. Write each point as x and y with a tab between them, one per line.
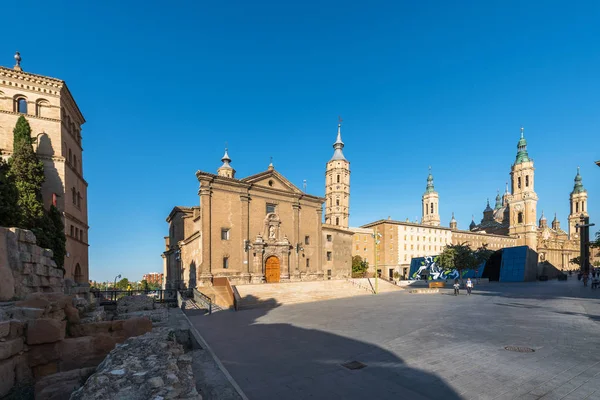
272	270
78	275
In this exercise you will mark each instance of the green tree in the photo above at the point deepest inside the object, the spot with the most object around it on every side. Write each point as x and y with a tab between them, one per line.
359	267
123	284
576	260
8	197
145	285
27	172
58	240
462	258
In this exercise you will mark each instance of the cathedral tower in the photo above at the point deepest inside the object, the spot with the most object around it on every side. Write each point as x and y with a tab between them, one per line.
337	186
226	170
523	201
430	200
578	199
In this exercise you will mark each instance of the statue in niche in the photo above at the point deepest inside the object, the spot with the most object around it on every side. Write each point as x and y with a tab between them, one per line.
272	232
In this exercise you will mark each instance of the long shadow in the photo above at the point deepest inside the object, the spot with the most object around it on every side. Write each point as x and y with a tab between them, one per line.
282	361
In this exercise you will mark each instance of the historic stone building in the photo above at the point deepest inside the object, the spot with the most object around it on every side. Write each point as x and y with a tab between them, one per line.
261	228
512	222
55	121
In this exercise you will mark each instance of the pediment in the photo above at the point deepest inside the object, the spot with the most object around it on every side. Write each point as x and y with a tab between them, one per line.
273	180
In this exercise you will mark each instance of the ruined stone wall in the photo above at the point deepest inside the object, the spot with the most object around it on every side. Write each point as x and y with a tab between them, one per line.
25	267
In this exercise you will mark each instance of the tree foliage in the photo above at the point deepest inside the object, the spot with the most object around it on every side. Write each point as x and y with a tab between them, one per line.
461	257
27	172
8	197
576	260
359	267
123	284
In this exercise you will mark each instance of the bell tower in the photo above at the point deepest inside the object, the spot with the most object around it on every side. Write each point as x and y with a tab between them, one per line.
578	199
337	185
523	200
430	202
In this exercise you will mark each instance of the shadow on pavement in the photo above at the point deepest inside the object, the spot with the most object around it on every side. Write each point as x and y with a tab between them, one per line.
282	361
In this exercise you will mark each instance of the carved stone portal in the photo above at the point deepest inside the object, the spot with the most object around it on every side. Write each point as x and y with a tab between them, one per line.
270	244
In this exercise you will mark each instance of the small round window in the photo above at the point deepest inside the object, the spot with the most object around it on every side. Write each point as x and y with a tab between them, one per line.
270	182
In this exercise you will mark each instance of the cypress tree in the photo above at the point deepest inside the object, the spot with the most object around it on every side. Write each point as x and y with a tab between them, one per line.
59	240
8	197
27	172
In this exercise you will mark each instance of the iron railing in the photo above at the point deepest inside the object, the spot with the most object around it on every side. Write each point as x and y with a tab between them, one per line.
203	300
159	295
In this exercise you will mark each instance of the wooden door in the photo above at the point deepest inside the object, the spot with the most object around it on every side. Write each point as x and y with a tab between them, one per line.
272	270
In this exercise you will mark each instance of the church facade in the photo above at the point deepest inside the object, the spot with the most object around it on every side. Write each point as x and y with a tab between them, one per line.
261	228
512	222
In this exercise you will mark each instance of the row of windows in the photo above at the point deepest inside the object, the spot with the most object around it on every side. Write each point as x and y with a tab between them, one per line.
577	207
76	233
72	159
21	106
526	181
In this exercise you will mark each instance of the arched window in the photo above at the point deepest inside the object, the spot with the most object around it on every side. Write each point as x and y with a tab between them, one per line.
520	218
41	108
77	275
338	179
337	221
519	182
21	106
577	207
582	208
432	208
74	193
526	180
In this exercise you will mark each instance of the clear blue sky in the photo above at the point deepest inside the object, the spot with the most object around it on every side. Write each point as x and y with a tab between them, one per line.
163	86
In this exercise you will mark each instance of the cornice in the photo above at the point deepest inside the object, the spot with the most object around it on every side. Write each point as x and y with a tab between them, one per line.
29	116
73	218
32	79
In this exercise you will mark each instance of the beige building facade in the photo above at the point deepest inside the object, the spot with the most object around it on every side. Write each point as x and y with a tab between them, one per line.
55	121
259	229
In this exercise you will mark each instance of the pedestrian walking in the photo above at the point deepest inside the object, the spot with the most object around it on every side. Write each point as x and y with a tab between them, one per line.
585	279
456	287
469	286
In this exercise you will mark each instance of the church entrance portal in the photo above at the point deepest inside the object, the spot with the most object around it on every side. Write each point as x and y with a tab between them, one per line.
272	270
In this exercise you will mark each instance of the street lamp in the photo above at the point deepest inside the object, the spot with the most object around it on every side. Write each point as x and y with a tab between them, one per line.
376	236
117	277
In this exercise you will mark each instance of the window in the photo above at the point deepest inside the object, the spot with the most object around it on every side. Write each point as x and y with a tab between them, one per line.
74	194
405	257
432	208
329	256
582	209
75	162
307	263
337	202
70	157
337	221
72	230
576	207
520	218
271	208
526	180
412	246
224	233
306	239
357	247
78	199
22	105
338	179
76	232
330	238
404	247
519	182
225	262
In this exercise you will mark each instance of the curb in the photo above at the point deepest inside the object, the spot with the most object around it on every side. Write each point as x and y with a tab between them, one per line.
205	345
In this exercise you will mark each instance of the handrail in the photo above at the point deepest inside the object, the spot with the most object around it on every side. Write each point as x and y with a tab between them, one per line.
360	285
201	298
162	295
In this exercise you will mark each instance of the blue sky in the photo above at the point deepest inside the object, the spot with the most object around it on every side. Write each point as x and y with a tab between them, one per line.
163	87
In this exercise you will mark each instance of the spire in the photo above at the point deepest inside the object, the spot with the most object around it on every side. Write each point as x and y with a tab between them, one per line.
226	169
453	220
17	66
522	155
338	145
578	187
453	223
271	167
555	223
488	208
498	200
226	160
472	225
543	220
429	188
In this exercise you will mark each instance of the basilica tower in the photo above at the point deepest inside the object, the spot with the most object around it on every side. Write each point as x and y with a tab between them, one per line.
523	200
337	186
578	199
430	201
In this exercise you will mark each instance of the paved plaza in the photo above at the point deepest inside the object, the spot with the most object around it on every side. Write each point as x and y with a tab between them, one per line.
418	346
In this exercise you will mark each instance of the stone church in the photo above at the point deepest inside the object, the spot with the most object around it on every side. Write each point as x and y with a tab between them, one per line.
514	214
261	228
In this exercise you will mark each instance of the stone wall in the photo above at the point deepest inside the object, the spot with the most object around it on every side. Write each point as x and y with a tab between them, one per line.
25	267
45	339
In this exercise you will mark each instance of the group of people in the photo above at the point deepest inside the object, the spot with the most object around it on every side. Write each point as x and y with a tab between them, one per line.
469	286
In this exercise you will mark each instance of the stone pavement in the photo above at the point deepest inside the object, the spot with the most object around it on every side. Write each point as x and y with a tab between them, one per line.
435	346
